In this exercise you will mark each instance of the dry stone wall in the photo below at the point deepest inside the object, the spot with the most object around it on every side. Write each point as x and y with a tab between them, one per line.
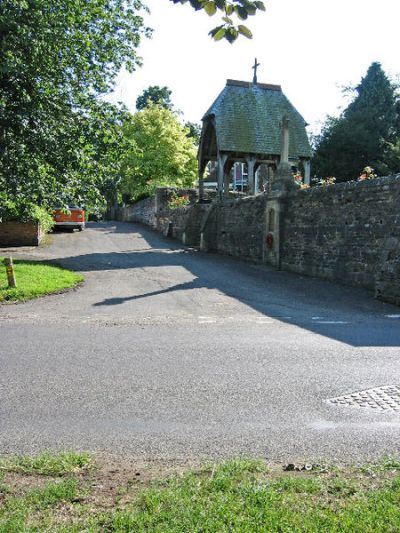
143	212
349	233
236	227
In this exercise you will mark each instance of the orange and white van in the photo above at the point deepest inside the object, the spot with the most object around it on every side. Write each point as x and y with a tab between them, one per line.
72	217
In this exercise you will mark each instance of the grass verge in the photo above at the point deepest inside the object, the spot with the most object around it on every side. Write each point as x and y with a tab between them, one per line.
242	496
35	279
46	463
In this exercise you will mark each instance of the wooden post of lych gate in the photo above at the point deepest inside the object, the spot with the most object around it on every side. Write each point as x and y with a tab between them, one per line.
12	283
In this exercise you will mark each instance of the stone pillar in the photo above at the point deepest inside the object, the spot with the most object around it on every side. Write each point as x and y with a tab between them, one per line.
285	140
307	172
271	177
201	183
282	185
227	179
251	161
220	173
256	182
274	217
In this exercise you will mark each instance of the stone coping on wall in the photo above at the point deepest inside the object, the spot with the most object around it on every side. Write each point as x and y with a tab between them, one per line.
350	185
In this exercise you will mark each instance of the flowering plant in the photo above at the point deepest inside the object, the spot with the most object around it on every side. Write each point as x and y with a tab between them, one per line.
298	178
329	180
175	201
367	174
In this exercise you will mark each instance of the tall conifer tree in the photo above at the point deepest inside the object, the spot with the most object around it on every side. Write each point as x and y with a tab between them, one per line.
364	134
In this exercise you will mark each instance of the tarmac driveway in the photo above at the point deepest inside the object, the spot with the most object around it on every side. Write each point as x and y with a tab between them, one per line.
166	353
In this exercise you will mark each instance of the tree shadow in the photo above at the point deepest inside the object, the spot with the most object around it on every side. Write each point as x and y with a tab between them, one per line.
195	284
346	314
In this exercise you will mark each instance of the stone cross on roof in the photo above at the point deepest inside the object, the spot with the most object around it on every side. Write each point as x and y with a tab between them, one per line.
255	71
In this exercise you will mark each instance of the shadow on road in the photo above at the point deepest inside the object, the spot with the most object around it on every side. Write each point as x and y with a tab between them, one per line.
345	314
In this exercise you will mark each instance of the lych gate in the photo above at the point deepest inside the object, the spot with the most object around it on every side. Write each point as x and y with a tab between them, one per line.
246	124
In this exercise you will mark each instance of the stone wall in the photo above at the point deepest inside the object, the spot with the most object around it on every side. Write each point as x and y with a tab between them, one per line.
172	222
20	234
387	280
184	223
236	227
157	213
195	217
142	212
164	194
347	232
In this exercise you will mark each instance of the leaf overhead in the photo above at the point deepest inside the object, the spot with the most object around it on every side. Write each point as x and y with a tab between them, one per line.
210	8
241	12
241	8
243	30
218	33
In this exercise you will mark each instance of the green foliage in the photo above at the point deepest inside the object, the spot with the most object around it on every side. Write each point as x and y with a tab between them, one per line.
35	279
194	132
156	95
241	9
325	182
43	217
366	133
47	463
19	209
17	511
58	141
160	153
177	201
238	495
234	497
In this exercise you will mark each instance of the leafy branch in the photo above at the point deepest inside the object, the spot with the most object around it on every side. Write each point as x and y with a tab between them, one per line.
240	9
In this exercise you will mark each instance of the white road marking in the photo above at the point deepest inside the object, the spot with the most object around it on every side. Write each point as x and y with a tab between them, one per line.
264	320
207	320
331	322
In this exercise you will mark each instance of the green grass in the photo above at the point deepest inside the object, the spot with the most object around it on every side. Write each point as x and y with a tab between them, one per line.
35	279
233	500
242	496
31	511
46	463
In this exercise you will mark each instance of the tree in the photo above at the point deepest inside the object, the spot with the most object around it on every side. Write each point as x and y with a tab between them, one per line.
156	95
160	154
240	9
365	133
57	58
194	131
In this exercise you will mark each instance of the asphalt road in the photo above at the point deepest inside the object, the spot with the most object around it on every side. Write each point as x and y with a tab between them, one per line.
170	354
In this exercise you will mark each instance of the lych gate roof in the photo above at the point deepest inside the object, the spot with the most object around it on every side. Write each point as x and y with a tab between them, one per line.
248	120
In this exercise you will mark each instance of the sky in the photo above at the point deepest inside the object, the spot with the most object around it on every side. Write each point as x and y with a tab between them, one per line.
312	48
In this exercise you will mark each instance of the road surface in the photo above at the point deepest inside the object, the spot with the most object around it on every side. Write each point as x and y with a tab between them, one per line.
166	353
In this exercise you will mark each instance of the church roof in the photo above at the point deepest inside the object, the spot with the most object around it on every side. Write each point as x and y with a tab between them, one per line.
248	120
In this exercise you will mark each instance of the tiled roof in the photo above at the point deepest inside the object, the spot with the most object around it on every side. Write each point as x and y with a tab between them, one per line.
248	119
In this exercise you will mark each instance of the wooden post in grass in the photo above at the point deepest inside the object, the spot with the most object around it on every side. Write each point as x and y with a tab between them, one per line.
12	283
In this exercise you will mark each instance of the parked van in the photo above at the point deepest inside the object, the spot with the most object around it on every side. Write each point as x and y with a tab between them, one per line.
72	217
